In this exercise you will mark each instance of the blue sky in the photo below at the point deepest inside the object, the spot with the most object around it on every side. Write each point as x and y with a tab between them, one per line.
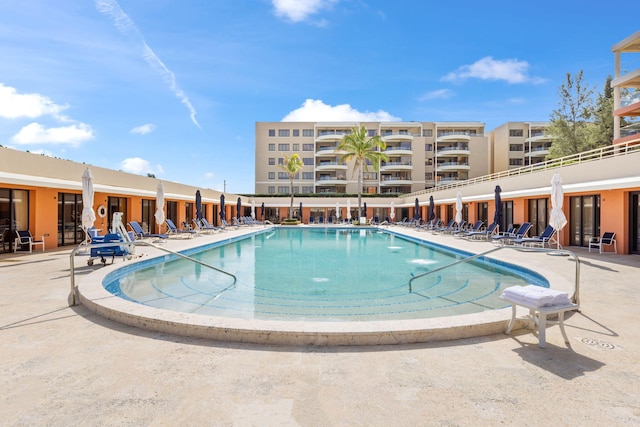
174	87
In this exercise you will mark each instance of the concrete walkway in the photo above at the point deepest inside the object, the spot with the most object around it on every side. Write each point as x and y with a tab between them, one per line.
65	366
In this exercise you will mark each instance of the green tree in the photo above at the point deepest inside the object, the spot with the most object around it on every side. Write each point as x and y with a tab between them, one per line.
569	125
364	150
292	166
603	116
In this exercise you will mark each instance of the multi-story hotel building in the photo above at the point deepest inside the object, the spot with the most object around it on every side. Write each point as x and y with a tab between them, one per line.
629	105
421	155
517	144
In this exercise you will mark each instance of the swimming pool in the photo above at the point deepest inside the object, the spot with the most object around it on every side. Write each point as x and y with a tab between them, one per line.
320	274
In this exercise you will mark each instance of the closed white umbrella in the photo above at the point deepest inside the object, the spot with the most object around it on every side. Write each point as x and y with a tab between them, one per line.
253	209
458	207
337	210
88	215
392	214
159	215
348	209
557	219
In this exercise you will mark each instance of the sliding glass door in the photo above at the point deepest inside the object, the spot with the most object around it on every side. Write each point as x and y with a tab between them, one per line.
584	219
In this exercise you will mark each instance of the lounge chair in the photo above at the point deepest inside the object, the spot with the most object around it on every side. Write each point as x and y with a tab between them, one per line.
475	228
484	234
141	234
204	226
520	233
173	230
24	238
541	240
607	239
445	227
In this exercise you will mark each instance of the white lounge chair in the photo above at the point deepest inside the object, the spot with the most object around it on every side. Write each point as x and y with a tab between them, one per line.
24	237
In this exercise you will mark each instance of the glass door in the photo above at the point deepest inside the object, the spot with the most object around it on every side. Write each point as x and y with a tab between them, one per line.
70	219
584	219
634	223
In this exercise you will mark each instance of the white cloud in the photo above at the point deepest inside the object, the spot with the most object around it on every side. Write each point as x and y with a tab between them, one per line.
14	105
35	133
317	111
209	175
140	166
126	26
144	129
437	94
300	10
510	70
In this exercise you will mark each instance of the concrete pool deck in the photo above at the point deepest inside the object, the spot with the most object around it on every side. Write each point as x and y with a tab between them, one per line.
64	365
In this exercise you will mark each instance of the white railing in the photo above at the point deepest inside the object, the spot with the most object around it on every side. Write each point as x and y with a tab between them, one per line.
584	157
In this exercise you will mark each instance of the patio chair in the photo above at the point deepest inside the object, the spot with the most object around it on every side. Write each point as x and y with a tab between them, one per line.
607	239
520	233
173	230
141	234
484	234
473	229
543	239
24	238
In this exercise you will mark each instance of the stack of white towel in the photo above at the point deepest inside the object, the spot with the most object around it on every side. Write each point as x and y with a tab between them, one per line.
536	296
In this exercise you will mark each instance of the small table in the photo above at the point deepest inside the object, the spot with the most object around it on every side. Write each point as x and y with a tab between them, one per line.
541	319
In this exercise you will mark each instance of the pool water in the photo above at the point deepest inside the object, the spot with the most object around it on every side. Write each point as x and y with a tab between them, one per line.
322	274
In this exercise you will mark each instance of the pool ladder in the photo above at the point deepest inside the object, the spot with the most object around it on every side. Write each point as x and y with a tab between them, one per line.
84	246
576	294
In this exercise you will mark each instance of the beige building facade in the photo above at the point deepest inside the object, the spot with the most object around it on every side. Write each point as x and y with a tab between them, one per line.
421	155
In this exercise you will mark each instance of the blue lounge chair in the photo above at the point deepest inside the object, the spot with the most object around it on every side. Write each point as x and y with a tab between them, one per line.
141	234
608	239
543	239
475	228
173	230
485	234
24	238
520	233
446	227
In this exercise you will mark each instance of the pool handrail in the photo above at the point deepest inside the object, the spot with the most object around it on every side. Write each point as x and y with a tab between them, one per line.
84	246
576	294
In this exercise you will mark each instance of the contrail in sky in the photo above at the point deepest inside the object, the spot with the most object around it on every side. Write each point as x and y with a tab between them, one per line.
126	26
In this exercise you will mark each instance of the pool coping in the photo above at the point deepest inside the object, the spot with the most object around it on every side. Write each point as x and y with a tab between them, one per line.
97	299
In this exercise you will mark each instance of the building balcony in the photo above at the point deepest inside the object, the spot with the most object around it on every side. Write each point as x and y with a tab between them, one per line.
453	151
629	109
452	166
396	166
537	152
330	136
328	151
394	181
330	166
538	138
453	137
332	180
399	150
392	137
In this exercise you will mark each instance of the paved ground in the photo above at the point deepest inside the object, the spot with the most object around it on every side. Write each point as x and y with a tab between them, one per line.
65	366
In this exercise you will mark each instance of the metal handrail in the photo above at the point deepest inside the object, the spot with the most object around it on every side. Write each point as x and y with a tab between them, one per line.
135	243
576	294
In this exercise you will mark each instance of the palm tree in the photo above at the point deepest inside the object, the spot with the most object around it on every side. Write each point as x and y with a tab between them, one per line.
292	166
364	150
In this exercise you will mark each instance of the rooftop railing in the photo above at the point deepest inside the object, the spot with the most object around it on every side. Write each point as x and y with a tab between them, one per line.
584	157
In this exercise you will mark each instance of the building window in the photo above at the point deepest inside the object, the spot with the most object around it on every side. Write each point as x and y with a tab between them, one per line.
307	189
515	162
428	162
428	147
307	132
427	133
283	190
283	147
296	132
272	175
271	189
369	176
272	147
428	176
296	147
307	147
283	175
272	132
307	175
283	133
280	161
516	147
371	132
307	161
272	161
516	132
